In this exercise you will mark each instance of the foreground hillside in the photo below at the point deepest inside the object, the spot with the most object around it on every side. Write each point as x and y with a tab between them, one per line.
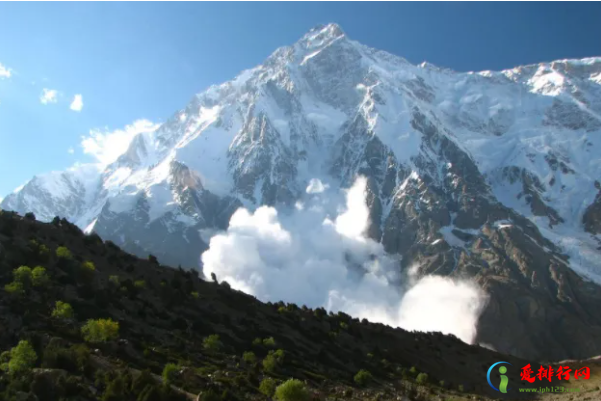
172	336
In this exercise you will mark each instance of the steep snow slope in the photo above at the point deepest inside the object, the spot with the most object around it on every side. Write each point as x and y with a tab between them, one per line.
490	175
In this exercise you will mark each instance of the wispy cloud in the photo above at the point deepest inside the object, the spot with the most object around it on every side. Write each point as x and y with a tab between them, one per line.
106	146
77	103
5	72
49	96
71	150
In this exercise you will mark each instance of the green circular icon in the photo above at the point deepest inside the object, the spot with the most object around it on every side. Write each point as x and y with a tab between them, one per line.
503	370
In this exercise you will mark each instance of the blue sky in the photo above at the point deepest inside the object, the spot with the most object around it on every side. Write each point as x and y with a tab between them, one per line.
144	61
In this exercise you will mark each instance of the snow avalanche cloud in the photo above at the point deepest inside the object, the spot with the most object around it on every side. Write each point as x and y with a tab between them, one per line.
307	257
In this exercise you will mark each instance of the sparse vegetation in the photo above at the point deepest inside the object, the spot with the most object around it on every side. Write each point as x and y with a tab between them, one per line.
100	330
64	253
212	343
273	360
39	277
249	357
422	378
88	266
169	373
19	359
62	310
269	342
267	386
292	390
363	377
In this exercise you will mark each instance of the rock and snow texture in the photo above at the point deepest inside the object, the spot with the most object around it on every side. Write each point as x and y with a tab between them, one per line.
489	175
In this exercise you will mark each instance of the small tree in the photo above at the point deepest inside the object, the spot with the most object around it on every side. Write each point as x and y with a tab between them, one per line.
88	266
292	390
22	358
273	360
422	378
170	373
267	386
39	277
363	377
114	280
63	253
212	343
100	330
15	288
269	342
22	275
249	357
62	310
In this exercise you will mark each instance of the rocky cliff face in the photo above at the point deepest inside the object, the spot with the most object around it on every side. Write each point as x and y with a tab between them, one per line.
489	175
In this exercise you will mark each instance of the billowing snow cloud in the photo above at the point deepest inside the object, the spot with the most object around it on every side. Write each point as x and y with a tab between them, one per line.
5	72
309	257
77	103
49	96
106	146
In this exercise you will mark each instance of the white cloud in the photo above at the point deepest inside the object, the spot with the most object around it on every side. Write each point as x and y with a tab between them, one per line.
71	150
316	186
5	72
77	103
49	96
308	257
106	146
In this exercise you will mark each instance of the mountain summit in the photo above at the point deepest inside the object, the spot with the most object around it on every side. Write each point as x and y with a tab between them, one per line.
490	175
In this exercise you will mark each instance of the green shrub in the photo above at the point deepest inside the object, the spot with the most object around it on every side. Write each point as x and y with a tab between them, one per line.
170	373
44	252
269	342
100	330
64	253
39	277
257	342
20	358
140	284
413	371
460	388
88	266
441	384
22	275
114	280
267	387
422	378
212	343
273	360
194	294
292	390
249	357
62	310
15	288
363	377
